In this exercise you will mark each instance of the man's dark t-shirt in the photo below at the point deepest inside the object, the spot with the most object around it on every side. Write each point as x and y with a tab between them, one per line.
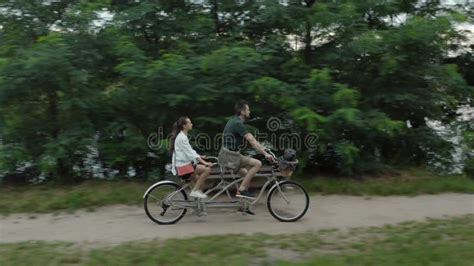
234	133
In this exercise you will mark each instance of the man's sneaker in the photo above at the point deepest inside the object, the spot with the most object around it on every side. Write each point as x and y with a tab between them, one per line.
245	194
247	210
198	194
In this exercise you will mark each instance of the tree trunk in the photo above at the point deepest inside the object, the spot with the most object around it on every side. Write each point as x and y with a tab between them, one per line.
307	35
62	172
215	15
307	41
53	112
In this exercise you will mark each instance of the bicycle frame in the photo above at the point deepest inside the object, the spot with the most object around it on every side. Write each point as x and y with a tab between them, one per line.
224	186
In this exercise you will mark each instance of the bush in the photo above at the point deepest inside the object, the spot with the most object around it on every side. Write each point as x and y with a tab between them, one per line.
469	168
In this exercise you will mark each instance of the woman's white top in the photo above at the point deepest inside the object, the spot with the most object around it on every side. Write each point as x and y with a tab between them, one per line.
183	152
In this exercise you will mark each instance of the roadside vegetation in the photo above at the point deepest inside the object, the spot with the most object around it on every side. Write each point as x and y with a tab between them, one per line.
434	242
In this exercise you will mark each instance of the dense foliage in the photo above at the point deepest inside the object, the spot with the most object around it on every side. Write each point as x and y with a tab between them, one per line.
83	84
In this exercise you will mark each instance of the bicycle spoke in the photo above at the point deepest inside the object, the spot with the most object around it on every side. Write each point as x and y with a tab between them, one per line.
283	196
151	196
167	204
288	201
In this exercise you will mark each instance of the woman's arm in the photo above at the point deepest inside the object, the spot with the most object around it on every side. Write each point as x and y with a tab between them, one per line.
191	154
202	161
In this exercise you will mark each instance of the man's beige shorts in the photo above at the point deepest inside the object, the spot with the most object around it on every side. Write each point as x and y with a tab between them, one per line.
245	162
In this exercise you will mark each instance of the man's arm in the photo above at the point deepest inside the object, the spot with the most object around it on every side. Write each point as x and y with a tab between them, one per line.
256	145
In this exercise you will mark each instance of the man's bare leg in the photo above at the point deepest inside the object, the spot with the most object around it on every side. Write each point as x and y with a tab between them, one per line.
242	172
255	165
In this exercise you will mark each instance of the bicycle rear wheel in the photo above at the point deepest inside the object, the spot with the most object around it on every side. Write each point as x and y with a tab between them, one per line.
288	201
165	203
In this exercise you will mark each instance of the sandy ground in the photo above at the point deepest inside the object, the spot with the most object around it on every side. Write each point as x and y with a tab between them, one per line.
117	224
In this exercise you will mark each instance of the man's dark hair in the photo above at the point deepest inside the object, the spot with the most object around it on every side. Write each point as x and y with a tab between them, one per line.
240	106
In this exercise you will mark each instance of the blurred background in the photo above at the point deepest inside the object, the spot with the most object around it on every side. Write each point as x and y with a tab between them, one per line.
385	85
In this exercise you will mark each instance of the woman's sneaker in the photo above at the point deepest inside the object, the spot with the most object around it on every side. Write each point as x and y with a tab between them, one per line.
245	194
198	194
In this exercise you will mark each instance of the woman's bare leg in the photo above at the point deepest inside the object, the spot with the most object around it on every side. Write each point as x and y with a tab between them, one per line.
201	173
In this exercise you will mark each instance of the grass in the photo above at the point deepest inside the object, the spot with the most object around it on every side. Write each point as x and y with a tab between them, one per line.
435	242
94	193
89	194
409	182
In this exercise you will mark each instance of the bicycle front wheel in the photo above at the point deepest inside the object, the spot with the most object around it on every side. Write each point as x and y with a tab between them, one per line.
288	201
166	203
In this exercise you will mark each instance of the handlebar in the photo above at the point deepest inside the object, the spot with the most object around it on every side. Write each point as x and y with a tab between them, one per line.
271	153
212	158
277	160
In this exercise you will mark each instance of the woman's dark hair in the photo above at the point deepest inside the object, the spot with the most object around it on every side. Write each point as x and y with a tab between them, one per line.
240	106
177	127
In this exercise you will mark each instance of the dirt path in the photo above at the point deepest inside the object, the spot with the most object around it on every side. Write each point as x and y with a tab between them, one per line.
117	224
